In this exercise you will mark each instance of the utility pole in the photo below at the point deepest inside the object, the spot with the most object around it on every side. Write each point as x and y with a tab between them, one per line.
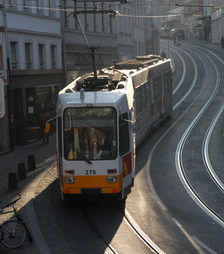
92	50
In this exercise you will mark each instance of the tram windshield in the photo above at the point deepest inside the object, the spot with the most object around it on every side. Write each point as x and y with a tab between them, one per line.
90	133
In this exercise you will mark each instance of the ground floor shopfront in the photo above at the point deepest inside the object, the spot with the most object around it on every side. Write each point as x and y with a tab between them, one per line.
33	98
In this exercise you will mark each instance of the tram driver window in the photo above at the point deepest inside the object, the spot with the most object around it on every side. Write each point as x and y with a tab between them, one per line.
124	133
90	133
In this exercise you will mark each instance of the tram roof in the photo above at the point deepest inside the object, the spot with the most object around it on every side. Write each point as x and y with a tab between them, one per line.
93	98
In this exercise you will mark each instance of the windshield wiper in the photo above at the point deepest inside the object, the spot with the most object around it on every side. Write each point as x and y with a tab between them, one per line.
87	160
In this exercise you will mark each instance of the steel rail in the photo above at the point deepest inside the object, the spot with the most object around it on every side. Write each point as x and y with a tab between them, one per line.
128	218
107	247
130	222
141	234
184	69
179	162
164	135
206	141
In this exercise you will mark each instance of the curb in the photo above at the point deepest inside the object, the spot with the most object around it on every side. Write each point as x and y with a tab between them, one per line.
38	237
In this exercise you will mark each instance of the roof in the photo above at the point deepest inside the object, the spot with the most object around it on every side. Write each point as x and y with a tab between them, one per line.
96	98
139	62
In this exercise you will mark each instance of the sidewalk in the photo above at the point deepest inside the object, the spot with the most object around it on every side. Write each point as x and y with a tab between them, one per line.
9	162
45	159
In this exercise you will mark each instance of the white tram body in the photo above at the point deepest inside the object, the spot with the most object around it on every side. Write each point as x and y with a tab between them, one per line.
100	121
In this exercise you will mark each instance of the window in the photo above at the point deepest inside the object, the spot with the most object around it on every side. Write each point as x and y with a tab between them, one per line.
102	17
41	56
167	82
143	96
40	6
52	8
124	134
94	19
65	19
13	47
157	93
1	58
148	92
157	88
28	55
90	133
76	19
111	20
27	5
138	101
12	4
53	56
85	17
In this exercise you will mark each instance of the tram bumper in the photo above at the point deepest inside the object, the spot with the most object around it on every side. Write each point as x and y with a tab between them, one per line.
92	185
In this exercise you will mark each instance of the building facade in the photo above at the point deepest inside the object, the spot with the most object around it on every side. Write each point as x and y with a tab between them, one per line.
33	43
217	21
87	30
45	44
4	122
126	34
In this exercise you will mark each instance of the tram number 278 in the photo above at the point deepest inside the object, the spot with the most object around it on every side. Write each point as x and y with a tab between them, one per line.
90	172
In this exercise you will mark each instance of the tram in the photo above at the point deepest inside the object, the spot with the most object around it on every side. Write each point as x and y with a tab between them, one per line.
100	120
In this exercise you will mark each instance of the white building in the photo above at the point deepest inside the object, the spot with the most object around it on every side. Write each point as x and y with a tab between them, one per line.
137	31
31	43
125	32
217	21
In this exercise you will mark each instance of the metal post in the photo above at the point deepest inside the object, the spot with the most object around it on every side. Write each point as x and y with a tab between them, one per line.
92	50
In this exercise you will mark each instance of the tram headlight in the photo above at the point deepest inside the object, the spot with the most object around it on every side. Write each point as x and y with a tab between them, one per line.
111	179
69	179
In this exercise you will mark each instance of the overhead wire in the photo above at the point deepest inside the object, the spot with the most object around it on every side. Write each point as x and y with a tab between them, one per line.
71	9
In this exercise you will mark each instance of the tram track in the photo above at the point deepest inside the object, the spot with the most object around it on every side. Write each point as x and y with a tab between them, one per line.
141	234
127	217
205	148
101	239
213	60
179	157
132	224
48	177
181	171
183	76
149	179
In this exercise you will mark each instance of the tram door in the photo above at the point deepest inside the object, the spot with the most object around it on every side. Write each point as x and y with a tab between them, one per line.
125	150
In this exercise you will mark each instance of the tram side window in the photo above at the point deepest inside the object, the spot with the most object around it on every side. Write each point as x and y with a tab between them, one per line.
138	101
124	134
143	96
167	81
148	92
157	88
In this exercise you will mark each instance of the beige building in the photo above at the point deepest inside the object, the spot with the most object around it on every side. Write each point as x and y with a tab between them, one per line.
127	34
